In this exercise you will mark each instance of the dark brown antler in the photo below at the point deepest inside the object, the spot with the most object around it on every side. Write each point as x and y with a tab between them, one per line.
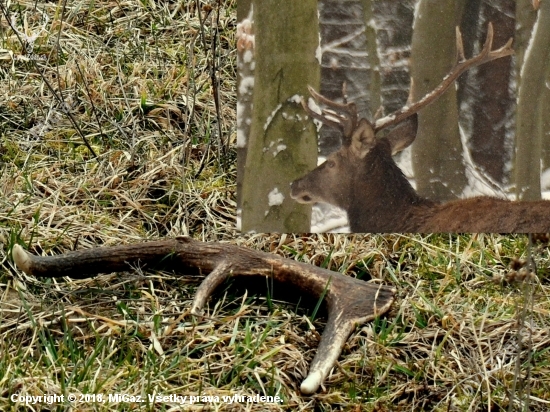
350	301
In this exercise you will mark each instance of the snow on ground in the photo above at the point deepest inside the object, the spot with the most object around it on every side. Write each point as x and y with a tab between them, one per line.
328	219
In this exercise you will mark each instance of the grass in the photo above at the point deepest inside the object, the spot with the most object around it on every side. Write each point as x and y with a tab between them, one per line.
134	81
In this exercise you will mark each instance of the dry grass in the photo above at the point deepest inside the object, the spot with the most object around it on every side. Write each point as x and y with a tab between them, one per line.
134	80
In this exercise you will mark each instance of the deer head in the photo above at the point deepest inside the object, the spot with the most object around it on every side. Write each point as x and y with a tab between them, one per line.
361	176
334	181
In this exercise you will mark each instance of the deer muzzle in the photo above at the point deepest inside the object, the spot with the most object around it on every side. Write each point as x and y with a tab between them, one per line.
300	193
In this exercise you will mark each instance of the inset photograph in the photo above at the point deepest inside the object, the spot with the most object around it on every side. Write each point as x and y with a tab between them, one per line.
392	117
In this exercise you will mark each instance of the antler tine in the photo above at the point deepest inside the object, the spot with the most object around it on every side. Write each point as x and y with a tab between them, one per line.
347	121
459	45
484	56
336	124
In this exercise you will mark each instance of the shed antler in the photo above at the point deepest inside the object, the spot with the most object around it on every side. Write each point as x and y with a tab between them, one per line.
347	120
350	301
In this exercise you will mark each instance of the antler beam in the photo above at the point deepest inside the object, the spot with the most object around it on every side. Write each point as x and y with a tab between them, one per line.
350	301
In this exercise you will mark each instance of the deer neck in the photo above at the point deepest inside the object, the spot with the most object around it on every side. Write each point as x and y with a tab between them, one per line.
384	194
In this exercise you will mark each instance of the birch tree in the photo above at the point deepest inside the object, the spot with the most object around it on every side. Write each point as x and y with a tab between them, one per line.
245	81
532	108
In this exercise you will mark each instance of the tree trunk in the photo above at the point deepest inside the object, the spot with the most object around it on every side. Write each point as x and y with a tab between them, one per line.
531	110
245	81
437	152
375	91
282	145
345	60
486	93
394	21
545	125
526	16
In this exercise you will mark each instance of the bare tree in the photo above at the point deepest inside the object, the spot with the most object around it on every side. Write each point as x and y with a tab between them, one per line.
437	153
350	57
373	59
245	77
545	125
526	15
282	143
486	95
531	108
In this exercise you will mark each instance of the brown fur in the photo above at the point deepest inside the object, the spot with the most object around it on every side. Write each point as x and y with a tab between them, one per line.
363	179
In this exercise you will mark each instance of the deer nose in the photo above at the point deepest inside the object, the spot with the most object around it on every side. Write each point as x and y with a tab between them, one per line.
294	188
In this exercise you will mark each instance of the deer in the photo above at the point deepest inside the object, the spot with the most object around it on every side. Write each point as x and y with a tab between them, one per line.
363	179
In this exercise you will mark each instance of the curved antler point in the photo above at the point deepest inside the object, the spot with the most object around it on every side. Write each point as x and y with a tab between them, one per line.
509	43
21	258
488	40
311	383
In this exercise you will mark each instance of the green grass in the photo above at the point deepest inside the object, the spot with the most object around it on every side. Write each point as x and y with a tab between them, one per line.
450	338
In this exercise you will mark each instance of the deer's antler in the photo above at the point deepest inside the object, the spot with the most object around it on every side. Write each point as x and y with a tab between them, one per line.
343	116
350	301
484	56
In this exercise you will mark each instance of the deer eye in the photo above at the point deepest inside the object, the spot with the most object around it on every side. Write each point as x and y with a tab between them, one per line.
331	164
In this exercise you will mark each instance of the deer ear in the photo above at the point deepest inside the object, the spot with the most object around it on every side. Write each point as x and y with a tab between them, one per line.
403	135
362	138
